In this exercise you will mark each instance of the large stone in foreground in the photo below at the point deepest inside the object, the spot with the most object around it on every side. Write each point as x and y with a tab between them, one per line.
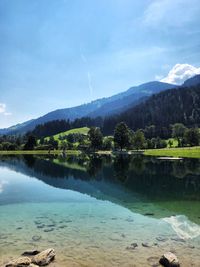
20	262
169	260
44	257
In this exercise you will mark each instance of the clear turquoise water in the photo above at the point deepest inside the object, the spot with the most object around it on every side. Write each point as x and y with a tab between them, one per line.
91	218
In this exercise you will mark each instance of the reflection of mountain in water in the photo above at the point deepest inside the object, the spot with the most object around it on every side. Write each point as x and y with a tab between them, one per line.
142	184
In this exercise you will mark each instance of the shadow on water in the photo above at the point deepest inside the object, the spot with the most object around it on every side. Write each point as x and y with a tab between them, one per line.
144	185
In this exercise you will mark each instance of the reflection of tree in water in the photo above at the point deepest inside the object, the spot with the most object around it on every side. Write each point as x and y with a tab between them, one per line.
29	160
189	171
193	165
156	179
179	169
121	167
94	166
138	164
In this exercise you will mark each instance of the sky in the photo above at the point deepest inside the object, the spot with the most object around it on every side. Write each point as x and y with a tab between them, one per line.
58	54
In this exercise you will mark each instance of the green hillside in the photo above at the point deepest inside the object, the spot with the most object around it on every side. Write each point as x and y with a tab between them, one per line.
83	130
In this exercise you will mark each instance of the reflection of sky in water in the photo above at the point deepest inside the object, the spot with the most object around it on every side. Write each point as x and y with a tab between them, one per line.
16	188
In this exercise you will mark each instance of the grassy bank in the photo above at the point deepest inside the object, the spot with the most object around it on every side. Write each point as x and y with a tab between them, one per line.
186	152
38	152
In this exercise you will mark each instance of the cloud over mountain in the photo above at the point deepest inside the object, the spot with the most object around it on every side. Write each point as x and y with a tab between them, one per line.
3	109
181	72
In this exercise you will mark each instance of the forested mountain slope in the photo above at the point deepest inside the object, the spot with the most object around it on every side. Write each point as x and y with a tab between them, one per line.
166	108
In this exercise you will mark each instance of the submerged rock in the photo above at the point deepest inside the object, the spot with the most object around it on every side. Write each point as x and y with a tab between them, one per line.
161	239
146	245
149	214
36	237
51	225
169	260
132	246
44	257
39	226
130	220
31	253
20	262
49	230
178	239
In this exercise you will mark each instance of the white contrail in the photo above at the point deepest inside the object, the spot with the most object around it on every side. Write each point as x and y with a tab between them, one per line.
90	83
83	58
89	77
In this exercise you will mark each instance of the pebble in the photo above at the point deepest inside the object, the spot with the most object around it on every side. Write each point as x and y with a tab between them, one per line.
49	230
51	225
161	239
146	245
132	246
36	237
178	239
40	226
130	220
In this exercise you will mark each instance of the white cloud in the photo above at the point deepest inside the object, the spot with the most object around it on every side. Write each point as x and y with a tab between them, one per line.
158	77
181	72
3	110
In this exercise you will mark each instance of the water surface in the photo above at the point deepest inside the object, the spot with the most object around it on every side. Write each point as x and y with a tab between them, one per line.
91	209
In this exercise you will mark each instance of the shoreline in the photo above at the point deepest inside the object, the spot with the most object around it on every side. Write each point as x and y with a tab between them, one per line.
184	152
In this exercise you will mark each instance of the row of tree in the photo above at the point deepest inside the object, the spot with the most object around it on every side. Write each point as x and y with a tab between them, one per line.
123	138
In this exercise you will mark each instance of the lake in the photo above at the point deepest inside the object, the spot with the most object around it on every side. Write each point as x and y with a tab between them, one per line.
100	210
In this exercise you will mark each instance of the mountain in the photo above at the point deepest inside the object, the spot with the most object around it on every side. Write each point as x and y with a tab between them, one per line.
133	96
15	128
171	106
101	107
192	81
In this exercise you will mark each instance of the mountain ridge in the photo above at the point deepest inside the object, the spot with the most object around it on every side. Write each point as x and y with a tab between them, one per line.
101	107
178	105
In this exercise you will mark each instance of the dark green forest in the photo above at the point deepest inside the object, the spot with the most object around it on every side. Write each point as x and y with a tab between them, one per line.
180	105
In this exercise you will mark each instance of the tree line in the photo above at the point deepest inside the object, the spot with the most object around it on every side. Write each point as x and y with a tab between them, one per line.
123	138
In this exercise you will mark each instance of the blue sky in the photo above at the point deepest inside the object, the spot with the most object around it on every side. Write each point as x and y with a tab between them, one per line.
61	53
